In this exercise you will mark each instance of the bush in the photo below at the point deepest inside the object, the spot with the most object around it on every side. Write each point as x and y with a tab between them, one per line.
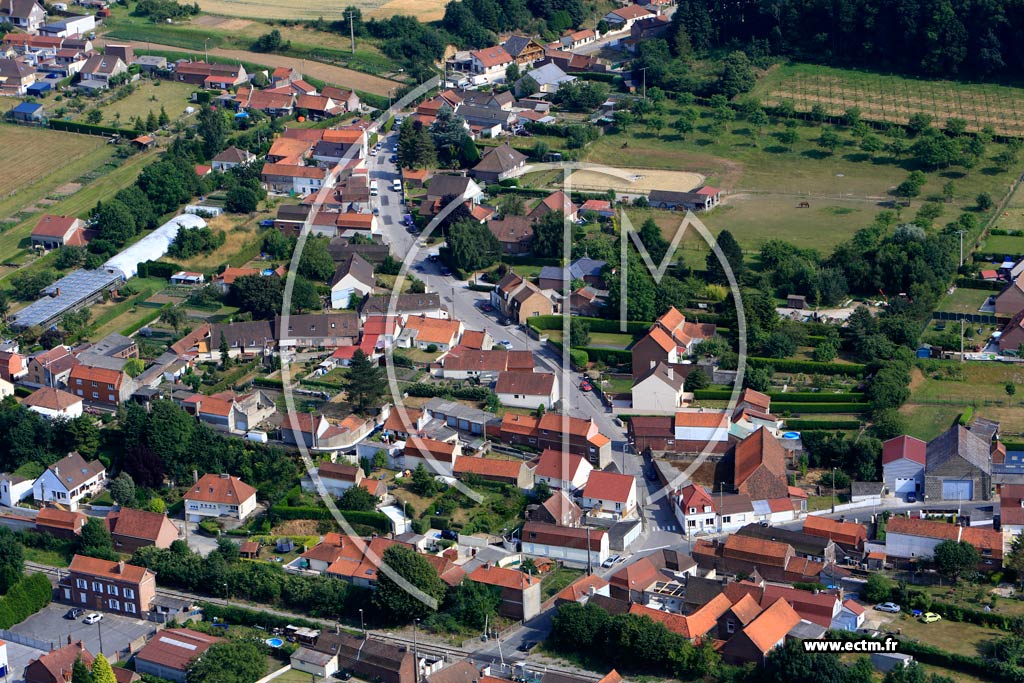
579	358
822	424
808	366
26	597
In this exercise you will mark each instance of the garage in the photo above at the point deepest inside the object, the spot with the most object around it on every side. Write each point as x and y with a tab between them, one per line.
904	485
957	489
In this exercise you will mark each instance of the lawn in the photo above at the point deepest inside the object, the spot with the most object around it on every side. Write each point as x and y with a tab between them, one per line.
148	97
957	637
557	579
603	340
1003	245
815	503
115	316
941	394
241	245
964	300
928	421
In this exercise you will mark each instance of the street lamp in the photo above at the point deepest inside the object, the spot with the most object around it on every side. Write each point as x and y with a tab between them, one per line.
833	490
362	623
226	595
415	657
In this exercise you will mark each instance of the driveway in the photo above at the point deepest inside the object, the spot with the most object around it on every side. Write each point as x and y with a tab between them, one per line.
115	631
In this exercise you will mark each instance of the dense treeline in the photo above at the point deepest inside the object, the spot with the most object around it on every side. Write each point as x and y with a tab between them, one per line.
32	441
975	38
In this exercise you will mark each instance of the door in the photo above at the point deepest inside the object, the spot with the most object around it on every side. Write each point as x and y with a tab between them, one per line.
904	485
957	489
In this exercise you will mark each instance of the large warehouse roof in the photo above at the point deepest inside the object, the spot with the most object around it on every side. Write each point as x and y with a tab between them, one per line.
66	294
152	246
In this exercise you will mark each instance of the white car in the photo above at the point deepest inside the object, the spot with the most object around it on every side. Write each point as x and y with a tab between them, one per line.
93	618
506	343
890	607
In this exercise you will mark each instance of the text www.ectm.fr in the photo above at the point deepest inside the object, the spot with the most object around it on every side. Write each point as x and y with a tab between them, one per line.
841	646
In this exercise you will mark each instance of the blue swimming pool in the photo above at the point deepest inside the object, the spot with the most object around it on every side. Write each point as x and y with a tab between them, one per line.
791	435
274	642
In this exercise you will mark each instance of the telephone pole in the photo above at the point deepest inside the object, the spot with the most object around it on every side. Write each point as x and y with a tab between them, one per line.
352	29
961	233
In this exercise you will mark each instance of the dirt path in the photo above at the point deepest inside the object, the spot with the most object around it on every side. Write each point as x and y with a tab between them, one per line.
336	75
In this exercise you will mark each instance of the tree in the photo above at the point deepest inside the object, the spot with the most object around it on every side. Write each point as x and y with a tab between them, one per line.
241	199
12	560
878	588
365	382
1015	558
357	498
316	262
212	129
305	296
415	146
788	137
232	661
541	491
579	332
697	379
269	42
473	246
122	489
95	540
737	75
512	73
163	119
278	246
984	201
1011	389
395	602
472	604
423	482
829	140
225	353
259	295
733	256
80	672
953	558
548	235
175	316
101	670
115	222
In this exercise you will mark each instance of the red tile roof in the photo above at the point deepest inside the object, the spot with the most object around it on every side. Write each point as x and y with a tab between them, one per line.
903	447
609	486
421	447
136	523
117	571
580	588
541	384
846	533
61	519
50	225
772	625
492	56
51	399
503	578
214	488
925	528
558	465
488	467
712	419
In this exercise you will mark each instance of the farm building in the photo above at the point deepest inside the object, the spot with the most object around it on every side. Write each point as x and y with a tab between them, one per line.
75	290
152	246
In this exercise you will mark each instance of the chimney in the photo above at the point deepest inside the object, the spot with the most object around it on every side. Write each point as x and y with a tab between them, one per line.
57	292
120	566
224	475
671	374
592	590
653	363
56	470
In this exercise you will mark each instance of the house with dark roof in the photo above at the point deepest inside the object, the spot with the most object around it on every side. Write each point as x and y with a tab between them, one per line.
586	269
427	304
514	233
519	299
353	277
558	509
53	403
368	658
102	68
230	158
1010	301
661	389
804	544
132	529
524	49
958	466
69	480
499	163
903	462
335	477
676	200
27	15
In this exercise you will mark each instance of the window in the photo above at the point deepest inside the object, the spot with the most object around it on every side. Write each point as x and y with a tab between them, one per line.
691	523
693	511
730	626
129	607
82	583
97	587
129	593
110	397
114	604
95	395
112	590
726	519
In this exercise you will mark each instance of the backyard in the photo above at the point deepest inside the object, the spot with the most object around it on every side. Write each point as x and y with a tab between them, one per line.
943	392
149	96
964	300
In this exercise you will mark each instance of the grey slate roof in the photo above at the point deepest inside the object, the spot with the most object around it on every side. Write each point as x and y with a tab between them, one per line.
356	266
958	442
500	159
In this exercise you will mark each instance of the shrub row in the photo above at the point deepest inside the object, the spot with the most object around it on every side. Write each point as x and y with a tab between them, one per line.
26	597
808	366
784	398
377	520
474	287
554	322
965	417
159	269
91	129
1003	622
819	408
268	383
321	384
252	618
830	425
971	283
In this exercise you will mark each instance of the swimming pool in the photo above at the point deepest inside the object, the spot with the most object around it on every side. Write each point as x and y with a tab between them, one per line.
791	435
274	642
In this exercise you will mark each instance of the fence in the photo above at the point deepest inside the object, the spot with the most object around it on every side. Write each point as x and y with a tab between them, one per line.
26	640
978	318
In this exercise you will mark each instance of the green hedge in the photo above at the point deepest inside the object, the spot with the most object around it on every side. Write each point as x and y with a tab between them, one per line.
808	366
784	398
555	322
91	129
377	520
971	283
26	597
608	356
829	425
819	408
249	617
268	383
965	417
159	269
473	287
320	384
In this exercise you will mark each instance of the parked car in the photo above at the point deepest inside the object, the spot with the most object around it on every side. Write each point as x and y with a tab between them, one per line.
527	646
585	385
890	607
74	613
93	618
611	560
911	497
930	617
506	343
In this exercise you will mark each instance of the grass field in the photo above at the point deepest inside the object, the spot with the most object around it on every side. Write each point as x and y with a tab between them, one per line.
964	300
951	636
1003	245
939	396
29	155
241	244
893	98
424	10
148	97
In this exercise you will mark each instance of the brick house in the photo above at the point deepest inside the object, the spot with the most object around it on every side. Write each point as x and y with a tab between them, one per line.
759	467
585	438
520	592
100	386
116	587
515	472
55	666
520	299
133	529
1010	301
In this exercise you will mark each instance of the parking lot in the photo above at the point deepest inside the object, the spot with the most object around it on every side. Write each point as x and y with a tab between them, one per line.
116	631
18	657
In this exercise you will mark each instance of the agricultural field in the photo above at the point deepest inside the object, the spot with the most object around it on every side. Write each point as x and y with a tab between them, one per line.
943	392
424	10
30	155
634	180
893	98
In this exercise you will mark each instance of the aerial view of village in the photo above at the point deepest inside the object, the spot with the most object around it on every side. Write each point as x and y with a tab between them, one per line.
511	341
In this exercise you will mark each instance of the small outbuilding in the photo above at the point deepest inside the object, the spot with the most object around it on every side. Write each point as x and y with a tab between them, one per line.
28	112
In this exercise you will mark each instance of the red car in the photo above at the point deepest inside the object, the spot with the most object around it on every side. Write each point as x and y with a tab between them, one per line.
586	386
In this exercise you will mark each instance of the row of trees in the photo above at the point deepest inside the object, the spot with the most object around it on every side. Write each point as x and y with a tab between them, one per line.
32	442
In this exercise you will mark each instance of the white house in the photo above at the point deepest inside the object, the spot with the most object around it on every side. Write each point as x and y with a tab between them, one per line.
903	460
219	495
568	544
320	665
6	388
69	480
79	24
352	278
336	478
230	158
1011	510
27	15
660	390
623	18
695	510
490	62
527	389
850	618
14	489
562	470
51	403
910	538
701	426
610	493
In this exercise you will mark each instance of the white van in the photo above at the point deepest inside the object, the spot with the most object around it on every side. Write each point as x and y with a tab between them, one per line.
396	185
373	188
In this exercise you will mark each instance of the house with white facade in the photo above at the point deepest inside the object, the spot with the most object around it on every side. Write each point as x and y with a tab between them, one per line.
69	480
219	495
336	478
527	389
702	428
52	403
660	390
353	280
695	510
14	488
903	460
610	493
562	470
572	545
436	456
